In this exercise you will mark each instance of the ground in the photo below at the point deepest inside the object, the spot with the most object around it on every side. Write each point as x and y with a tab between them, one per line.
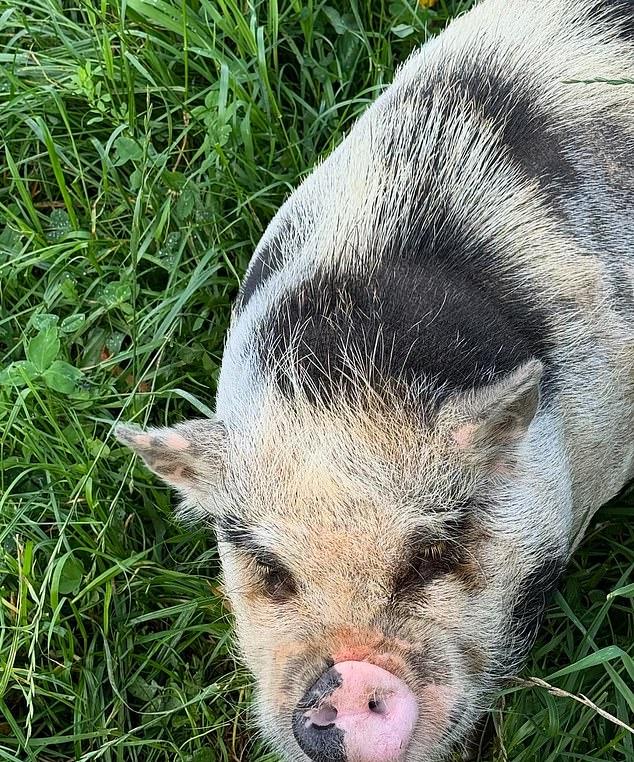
144	148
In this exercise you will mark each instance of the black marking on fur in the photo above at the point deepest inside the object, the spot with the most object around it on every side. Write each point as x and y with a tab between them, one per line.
535	592
265	263
475	657
323	687
189	473
321	744
432	304
411	318
456	713
622	283
618	16
304	670
536	140
428	667
233	530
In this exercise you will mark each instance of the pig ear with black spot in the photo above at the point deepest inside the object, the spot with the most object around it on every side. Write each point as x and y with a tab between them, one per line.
494	418
189	456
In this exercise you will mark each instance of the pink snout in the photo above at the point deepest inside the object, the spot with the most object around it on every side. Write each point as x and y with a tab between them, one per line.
356	712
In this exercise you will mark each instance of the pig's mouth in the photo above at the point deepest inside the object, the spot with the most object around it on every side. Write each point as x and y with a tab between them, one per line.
359	712
370	698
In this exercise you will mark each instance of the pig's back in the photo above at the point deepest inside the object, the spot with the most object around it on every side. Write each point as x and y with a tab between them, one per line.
479	214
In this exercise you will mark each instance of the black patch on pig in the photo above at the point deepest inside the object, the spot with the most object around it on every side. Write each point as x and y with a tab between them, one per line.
407	320
267	261
323	687
456	713
538	141
428	299
233	529
617	16
454	717
428	667
321	744
622	289
276	579
475	658
535	139
535	592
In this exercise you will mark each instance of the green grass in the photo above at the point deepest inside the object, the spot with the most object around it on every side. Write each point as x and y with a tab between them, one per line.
144	148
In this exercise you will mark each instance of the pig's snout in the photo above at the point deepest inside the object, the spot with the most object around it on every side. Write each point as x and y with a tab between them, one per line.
356	712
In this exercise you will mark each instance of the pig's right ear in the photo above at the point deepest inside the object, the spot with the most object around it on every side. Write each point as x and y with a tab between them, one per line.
189	456
490	421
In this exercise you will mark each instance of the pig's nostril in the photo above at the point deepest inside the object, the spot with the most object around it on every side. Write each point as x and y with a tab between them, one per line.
322	718
377	706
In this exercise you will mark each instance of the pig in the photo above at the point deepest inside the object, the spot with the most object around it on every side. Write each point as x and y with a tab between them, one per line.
427	386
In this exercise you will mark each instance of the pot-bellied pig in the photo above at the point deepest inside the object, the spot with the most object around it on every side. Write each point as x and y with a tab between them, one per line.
428	386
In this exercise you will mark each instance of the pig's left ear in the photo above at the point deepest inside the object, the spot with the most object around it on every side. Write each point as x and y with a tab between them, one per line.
492	419
189	456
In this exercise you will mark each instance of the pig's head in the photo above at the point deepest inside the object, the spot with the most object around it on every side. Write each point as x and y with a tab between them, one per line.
387	566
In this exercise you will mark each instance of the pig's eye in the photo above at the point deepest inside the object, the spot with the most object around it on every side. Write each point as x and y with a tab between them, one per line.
276	580
430	561
426	562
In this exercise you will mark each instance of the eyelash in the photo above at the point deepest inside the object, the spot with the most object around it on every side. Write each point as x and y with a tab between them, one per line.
434	552
426	563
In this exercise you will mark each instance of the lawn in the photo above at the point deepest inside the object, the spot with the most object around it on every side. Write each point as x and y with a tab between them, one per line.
145	146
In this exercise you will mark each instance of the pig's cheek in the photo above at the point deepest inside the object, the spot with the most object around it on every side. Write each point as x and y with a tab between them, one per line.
436	704
275	676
